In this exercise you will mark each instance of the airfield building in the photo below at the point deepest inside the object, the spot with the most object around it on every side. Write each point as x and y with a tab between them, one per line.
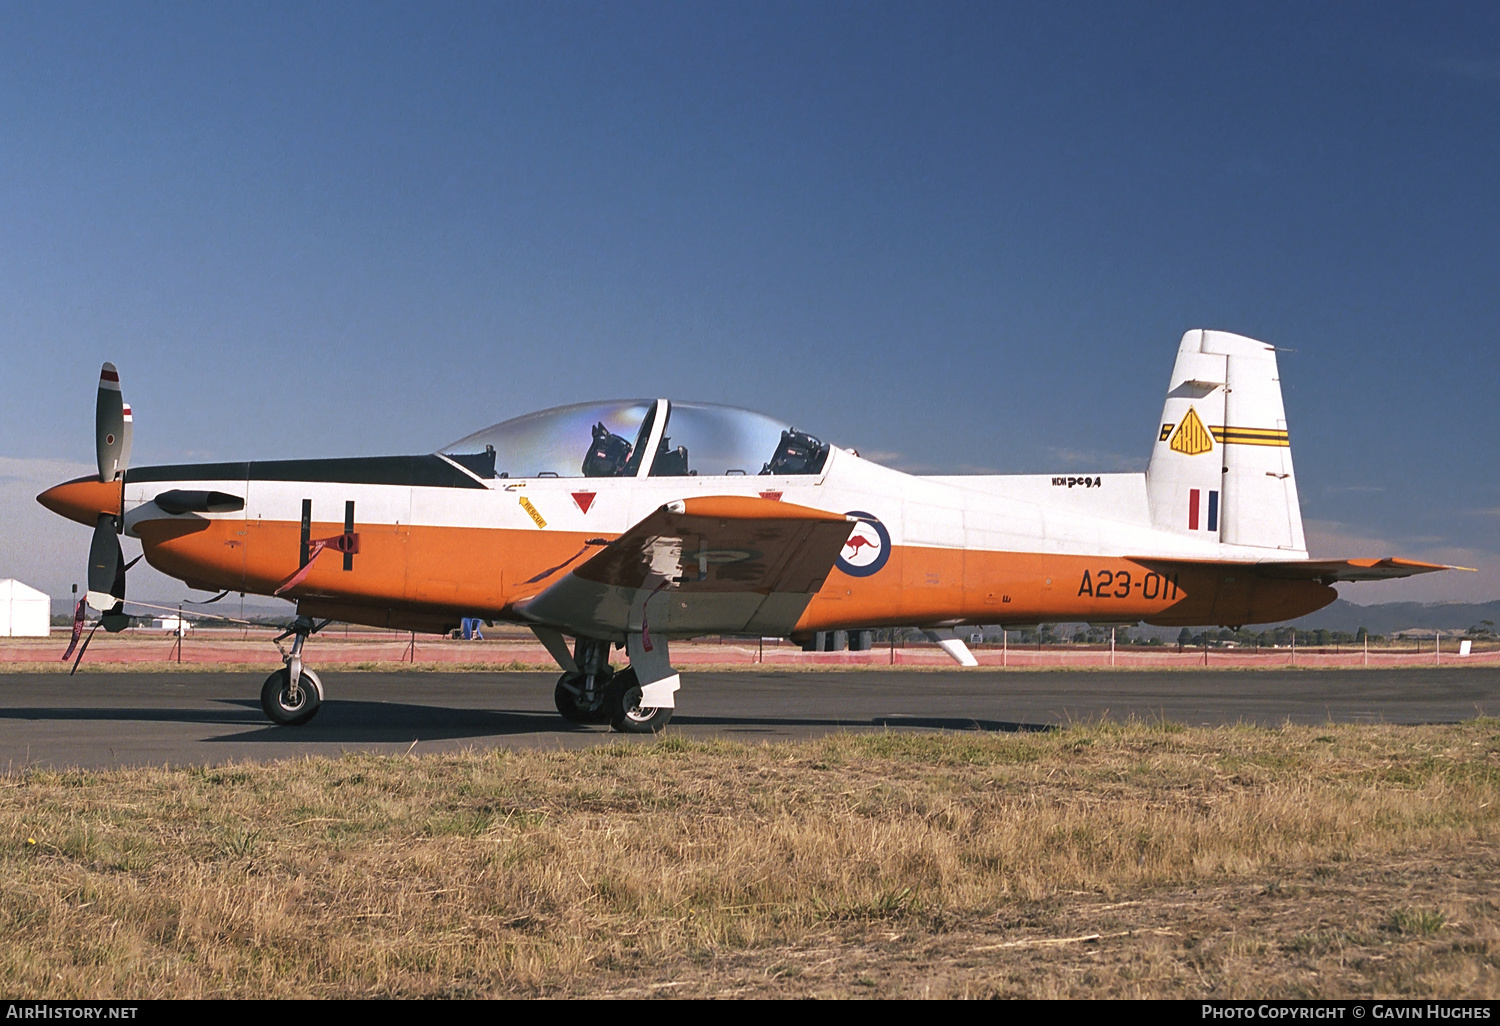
24	611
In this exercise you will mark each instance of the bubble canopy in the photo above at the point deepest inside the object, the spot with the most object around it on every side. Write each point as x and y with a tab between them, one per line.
638	438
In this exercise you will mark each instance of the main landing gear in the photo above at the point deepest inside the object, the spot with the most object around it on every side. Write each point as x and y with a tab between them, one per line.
591	692
627	713
580	691
293	694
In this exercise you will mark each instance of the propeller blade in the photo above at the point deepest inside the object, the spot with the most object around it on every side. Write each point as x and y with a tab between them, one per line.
125	440
109	425
106	567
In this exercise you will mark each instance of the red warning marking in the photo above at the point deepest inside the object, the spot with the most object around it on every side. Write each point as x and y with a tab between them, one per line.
584	500
773	496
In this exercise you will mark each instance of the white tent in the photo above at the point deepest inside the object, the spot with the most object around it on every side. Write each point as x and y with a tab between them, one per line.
24	611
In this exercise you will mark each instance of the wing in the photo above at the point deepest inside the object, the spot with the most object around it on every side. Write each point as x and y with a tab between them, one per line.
1324	571
715	564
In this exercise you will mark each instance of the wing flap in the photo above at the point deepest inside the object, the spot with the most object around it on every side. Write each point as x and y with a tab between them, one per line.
727	564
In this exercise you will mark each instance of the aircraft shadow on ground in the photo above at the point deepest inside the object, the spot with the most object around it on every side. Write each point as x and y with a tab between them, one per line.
343	721
373	722
349	721
392	722
338	721
136	713
352	721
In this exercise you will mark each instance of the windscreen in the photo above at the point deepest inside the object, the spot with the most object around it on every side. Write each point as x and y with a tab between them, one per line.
552	443
711	441
608	439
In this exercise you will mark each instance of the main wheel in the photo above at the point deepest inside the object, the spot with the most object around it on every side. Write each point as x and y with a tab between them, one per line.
276	697
571	705
623	700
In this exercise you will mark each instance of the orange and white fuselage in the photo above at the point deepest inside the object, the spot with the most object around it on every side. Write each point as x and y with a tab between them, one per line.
437	542
992	550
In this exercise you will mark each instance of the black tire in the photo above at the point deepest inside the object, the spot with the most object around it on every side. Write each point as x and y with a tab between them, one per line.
623	700
275	697
571	708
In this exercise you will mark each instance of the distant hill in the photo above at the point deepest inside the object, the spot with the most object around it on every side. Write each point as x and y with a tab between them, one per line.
1385	619
1391	617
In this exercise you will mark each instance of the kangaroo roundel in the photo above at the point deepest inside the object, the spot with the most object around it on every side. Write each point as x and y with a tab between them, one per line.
868	547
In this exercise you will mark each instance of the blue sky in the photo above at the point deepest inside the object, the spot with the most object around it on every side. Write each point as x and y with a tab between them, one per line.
961	236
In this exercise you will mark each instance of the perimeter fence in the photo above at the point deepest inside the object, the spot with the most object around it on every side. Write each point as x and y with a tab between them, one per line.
509	649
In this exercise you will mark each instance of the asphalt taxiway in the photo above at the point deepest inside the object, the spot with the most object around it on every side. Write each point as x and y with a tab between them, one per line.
205	718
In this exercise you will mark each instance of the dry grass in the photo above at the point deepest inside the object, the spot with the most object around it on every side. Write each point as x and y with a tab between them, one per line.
1128	861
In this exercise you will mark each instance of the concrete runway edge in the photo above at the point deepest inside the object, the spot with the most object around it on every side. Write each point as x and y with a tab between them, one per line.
207	718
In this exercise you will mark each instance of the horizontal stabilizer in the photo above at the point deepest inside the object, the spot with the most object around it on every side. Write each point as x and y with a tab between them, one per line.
1324	571
712	564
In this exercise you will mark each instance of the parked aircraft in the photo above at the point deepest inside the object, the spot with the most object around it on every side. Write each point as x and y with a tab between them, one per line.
633	523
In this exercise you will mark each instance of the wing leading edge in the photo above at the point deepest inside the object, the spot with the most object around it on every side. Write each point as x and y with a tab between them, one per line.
720	564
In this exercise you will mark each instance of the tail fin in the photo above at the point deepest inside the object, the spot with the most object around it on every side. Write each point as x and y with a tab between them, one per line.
1222	464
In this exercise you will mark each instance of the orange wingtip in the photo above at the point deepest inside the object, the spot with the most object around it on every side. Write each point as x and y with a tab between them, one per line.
1398	561
1362	563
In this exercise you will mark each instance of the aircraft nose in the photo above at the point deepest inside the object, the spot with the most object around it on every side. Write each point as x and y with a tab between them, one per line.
83	499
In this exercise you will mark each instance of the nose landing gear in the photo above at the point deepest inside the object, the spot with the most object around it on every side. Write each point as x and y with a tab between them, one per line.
293	695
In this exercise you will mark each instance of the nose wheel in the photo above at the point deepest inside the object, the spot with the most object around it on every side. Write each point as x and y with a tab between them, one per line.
288	708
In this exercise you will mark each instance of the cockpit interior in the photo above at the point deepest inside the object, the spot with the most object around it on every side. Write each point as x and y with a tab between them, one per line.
615	439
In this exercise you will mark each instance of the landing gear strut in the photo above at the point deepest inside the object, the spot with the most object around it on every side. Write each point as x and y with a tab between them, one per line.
293	694
580	694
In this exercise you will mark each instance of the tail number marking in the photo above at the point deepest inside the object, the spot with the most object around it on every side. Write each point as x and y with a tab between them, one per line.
1116	584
